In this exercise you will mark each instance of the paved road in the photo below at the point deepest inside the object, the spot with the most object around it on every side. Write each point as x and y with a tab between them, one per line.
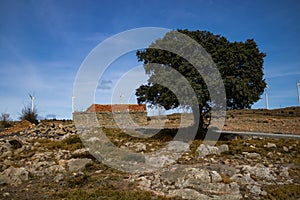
258	134
149	130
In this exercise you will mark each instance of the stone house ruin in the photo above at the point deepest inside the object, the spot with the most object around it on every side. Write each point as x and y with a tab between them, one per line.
120	115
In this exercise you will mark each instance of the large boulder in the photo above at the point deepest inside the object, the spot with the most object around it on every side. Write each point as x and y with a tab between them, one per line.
76	165
205	150
14	176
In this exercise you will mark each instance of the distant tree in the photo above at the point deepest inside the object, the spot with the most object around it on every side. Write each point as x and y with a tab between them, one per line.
51	117
240	65
28	114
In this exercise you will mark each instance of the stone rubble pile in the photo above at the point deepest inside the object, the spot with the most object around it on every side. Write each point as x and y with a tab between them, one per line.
22	160
219	181
50	130
42	130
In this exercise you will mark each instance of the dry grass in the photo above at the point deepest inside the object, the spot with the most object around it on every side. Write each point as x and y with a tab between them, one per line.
71	143
225	178
112	194
282	192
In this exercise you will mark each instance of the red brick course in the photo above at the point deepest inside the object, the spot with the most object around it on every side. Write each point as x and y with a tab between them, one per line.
116	107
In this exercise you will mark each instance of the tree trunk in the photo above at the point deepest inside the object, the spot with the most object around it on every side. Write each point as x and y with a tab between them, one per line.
201	128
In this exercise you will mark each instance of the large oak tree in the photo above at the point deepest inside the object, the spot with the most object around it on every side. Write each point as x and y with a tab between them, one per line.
239	63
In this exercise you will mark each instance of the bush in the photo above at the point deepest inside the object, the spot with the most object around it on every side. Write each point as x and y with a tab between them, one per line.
4	121
28	114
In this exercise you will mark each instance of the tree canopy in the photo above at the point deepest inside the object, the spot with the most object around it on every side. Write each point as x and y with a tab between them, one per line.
239	63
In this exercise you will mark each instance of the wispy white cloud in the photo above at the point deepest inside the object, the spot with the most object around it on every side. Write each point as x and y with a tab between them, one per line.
123	87
279	96
283	74
51	83
97	37
105	85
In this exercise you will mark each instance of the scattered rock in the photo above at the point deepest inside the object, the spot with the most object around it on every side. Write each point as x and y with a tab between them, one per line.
2	182
140	147
285	149
242	178
205	150
270	145
6	154
159	161
56	169
223	148
284	172
251	155
255	190
189	183
81	153
6	194
217	177
259	171
47	130
14	176
178	146
58	177
188	193
15	144
135	146
144	183
76	165
19	127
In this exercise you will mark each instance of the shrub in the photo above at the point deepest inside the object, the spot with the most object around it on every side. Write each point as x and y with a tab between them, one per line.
4	121
225	178
28	114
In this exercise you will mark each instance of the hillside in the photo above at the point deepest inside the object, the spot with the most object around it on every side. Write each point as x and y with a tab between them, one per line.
49	161
285	120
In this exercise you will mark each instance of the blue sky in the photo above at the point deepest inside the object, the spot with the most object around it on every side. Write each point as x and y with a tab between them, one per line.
43	43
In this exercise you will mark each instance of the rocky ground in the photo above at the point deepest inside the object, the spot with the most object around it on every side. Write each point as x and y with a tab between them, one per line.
49	161
282	121
285	120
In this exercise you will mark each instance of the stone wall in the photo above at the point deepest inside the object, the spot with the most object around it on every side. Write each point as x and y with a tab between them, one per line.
116	119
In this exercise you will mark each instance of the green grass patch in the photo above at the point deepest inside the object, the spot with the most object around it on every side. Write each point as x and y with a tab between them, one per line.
225	178
77	181
71	143
110	194
119	137
282	192
97	166
236	147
